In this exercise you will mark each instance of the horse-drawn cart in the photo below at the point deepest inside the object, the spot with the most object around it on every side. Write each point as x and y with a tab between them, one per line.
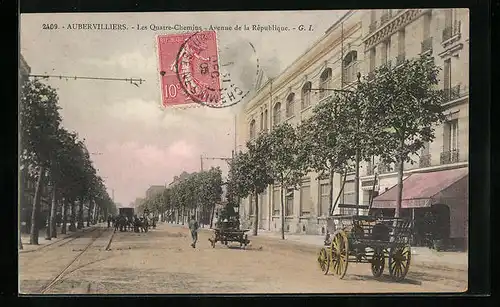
228	230
367	239
225	235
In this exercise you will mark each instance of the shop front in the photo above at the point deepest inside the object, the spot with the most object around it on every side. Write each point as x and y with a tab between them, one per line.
437	203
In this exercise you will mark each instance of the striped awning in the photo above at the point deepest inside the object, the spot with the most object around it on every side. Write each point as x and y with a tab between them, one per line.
426	189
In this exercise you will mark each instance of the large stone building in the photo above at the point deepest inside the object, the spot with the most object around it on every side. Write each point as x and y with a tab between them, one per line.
153	190
359	42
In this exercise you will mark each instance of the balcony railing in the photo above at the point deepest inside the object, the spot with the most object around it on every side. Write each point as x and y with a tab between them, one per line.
450	94
427	45
425	160
451	156
373	27
400	59
452	30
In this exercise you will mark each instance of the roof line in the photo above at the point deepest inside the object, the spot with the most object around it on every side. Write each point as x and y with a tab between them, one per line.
341	19
338	21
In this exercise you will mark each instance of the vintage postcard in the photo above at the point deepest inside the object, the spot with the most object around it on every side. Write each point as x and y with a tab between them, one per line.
244	152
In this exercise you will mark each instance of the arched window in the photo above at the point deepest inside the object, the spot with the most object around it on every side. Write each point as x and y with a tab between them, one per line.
277	113
350	64
290	101
306	95
324	82
252	129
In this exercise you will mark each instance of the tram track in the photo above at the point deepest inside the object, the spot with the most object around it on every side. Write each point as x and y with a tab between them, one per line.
66	270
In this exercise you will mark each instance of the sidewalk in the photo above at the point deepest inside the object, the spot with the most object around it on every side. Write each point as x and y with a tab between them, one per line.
421	256
27	247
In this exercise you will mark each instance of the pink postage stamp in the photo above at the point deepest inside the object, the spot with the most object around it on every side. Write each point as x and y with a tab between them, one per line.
189	68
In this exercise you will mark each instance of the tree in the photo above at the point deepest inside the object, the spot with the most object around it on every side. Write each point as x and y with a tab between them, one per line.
286	164
327	139
250	172
213	190
406	104
40	120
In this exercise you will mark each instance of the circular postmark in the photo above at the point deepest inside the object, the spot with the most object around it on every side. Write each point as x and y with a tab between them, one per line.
209	83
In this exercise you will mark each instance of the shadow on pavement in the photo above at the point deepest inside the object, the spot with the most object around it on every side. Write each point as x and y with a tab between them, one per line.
383	278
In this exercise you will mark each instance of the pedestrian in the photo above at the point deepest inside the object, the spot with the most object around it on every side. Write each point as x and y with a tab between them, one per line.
193	227
109	220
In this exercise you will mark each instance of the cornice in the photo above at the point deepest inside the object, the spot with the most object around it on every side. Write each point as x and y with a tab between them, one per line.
392	26
328	43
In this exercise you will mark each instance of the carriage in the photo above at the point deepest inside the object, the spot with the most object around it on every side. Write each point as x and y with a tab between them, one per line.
227	229
367	239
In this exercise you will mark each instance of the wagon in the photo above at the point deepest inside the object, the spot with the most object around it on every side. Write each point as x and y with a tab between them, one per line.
225	233
367	239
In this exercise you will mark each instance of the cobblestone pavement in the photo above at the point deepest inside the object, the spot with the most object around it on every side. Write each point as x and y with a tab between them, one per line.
162	261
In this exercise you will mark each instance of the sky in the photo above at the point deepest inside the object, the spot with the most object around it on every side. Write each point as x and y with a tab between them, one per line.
136	142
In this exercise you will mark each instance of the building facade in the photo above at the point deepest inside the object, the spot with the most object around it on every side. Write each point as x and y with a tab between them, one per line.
153	190
359	42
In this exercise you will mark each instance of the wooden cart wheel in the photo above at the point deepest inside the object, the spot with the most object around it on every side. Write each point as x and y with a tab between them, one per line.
339	253
399	262
324	260
378	262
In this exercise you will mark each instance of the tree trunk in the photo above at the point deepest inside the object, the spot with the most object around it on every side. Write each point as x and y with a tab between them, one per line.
399	196
256	216
183	215
96	216
47	227
330	193
89	212
340	192
282	212
64	210
212	216
53	207
72	226
35	214
80	223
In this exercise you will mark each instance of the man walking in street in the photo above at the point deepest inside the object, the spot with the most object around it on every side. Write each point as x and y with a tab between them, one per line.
193	227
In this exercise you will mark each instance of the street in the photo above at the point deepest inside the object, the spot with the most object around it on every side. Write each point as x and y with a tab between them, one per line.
162	261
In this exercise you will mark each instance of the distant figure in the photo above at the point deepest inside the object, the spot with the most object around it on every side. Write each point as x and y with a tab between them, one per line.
116	222
109	220
137	224
193	227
